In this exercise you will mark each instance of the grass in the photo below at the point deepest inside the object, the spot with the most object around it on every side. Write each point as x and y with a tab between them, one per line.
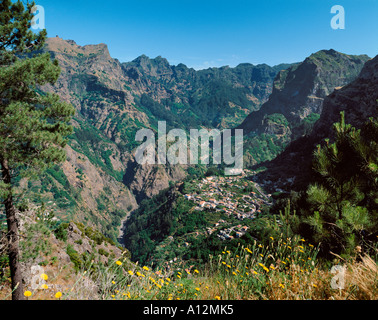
284	269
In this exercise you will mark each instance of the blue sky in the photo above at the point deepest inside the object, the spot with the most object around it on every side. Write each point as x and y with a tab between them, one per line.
210	33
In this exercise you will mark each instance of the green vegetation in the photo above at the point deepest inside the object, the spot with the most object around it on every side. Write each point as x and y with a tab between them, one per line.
305	127
94	234
167	227
33	126
156	219
337	210
264	147
93	145
340	206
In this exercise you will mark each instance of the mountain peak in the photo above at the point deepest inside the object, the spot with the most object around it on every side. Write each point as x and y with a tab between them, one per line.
300	90
70	47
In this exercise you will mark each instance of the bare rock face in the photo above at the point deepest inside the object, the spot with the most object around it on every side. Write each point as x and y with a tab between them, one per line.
145	181
117	99
77	239
93	181
83	244
300	90
358	100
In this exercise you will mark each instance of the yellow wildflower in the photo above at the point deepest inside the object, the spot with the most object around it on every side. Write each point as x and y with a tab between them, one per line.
217	297
146	268
130	272
27	293
264	267
44	276
119	263
58	295
44	286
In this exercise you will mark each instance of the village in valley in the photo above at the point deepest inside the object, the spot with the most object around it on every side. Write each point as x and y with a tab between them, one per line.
237	197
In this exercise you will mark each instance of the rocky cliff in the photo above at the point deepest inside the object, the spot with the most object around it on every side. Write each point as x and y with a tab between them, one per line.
100	183
300	90
358	99
296	102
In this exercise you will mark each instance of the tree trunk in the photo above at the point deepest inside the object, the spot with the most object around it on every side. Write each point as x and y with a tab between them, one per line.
13	239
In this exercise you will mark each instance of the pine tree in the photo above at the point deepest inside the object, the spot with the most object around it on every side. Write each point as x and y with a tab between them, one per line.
343	203
33	126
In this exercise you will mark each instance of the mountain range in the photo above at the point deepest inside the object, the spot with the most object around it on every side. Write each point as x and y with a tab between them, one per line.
100	183
358	99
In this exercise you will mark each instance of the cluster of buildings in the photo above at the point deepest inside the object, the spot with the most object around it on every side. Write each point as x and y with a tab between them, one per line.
232	232
218	194
214	194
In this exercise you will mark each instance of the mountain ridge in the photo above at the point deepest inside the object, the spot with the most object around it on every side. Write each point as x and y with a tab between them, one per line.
301	89
357	99
113	101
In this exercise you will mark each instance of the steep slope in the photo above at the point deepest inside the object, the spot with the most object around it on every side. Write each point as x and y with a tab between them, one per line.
296	102
114	100
62	251
213	97
301	89
292	168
